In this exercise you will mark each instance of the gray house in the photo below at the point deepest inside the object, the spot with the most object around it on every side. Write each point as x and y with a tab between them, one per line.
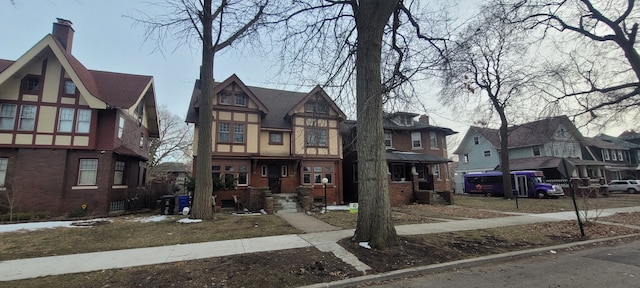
539	145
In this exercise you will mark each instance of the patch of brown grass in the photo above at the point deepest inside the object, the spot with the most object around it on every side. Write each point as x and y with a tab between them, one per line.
125	234
533	205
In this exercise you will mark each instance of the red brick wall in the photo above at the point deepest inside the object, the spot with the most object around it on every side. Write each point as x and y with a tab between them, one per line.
400	193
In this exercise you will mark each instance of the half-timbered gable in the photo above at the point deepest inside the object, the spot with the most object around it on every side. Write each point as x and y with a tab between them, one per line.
84	133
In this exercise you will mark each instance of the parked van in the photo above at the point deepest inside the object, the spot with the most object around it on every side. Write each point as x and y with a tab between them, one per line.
525	184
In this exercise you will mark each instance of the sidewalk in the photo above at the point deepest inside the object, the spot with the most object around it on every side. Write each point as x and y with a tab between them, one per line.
324	241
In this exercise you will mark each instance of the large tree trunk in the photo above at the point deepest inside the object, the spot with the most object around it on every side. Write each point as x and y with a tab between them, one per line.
504	155
204	183
374	213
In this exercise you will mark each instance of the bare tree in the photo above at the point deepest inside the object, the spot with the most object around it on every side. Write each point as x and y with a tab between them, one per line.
600	65
176	137
488	63
215	30
381	46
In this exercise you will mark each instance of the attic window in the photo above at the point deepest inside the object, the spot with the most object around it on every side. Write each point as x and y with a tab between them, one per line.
69	87
140	109
32	83
241	100
320	106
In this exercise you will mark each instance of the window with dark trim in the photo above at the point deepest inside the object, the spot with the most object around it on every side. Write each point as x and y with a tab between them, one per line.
7	116
316	106
223	132
316	172
4	162
31	83
536	150
316	137
27	120
388	139
118	175
487	153
69	88
238	133
275	138
433	139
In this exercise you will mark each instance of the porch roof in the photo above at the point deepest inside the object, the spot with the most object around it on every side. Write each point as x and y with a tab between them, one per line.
413	157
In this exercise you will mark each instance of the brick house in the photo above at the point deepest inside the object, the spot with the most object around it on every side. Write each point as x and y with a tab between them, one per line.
72	139
266	139
416	157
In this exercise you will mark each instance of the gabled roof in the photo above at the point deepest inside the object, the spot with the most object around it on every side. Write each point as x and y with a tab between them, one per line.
389	124
629	135
109	88
617	141
277	103
540	132
600	143
317	91
529	134
491	135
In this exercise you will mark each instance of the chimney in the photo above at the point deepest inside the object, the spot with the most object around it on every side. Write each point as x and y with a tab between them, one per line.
423	119
63	32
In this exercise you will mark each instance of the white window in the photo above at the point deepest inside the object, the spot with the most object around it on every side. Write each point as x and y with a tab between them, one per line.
65	120
120	127
433	139
436	171
83	122
27	117
3	170
487	153
275	138
118	177
466	158
141	140
613	155
416	140
606	154
69	87
388	140
7	116
88	171
284	171
620	155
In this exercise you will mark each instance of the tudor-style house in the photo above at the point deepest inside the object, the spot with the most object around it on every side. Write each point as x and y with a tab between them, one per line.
275	140
72	139
416	155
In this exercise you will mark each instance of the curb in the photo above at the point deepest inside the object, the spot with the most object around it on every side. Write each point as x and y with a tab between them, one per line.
435	268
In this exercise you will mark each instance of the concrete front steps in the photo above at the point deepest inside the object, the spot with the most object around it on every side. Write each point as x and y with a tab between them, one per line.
286	203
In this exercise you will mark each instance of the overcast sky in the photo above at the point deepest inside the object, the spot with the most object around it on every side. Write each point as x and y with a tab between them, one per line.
105	40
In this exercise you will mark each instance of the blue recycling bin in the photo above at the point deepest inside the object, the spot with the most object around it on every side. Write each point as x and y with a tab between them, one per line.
183	201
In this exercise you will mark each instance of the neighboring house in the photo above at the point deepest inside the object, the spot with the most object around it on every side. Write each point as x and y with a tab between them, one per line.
616	157
477	153
630	157
169	178
72	139
416	157
272	139
539	145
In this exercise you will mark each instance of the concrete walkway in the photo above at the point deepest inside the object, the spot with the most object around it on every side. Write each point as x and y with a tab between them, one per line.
324	241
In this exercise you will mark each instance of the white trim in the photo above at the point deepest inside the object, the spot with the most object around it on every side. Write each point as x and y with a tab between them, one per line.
119	187
84	187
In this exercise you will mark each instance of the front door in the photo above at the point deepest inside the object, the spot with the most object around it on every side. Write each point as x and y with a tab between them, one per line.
275	180
521	186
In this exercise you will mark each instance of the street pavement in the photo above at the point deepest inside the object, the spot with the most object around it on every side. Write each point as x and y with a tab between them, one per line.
316	234
613	267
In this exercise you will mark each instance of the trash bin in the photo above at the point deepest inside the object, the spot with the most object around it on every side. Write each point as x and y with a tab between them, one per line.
167	204
183	201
